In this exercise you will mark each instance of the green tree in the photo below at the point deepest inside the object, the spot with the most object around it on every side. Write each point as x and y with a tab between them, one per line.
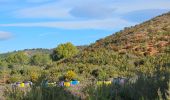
18	58
64	51
40	59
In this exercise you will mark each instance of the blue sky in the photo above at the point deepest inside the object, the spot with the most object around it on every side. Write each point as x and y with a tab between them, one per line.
26	24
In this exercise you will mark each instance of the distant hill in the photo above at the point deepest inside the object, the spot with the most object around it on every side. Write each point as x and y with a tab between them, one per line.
31	52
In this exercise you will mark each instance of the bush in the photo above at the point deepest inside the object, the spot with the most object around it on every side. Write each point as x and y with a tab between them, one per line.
15	78
34	73
41	59
70	75
18	58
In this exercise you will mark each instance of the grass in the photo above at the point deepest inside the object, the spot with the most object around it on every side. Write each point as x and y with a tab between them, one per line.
39	93
144	88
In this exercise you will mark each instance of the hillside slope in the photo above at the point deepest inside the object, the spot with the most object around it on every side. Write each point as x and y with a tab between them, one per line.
146	39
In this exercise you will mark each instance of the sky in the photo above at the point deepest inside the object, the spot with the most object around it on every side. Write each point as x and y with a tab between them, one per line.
27	24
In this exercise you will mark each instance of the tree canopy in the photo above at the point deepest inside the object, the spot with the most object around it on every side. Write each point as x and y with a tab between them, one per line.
64	51
40	59
18	58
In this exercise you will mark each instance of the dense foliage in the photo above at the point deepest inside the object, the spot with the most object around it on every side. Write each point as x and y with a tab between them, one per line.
40	59
64	51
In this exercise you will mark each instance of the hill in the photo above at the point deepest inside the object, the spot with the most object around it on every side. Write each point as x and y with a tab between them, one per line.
146	39
31	52
149	38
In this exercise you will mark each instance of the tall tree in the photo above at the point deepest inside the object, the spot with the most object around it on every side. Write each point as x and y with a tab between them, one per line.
64	51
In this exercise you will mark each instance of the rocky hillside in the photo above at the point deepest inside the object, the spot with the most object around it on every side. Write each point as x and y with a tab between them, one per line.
146	39
149	38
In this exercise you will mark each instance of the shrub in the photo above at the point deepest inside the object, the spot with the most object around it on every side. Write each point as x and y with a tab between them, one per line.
70	75
41	59
15	78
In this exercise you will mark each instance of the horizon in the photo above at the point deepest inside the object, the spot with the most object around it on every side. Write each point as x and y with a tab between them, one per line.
46	23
